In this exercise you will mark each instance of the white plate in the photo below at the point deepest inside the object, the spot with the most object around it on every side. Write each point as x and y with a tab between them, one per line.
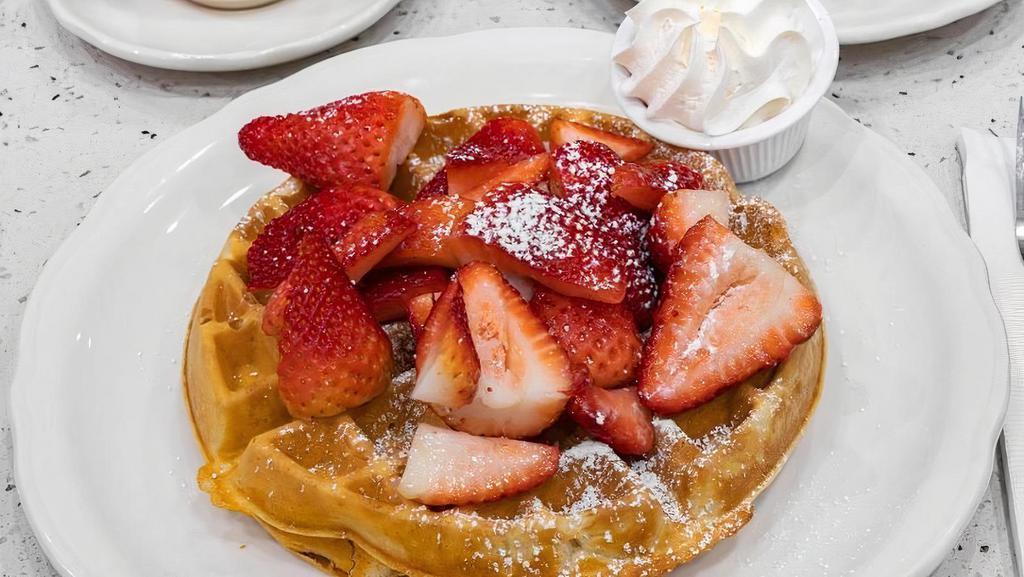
182	35
861	21
890	470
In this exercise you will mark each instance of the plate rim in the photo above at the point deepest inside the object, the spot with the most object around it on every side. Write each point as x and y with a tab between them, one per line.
218	62
923	22
28	365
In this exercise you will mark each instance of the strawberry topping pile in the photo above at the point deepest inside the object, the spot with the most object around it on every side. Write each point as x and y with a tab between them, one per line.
528	269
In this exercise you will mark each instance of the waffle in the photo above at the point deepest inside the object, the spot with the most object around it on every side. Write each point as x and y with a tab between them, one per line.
326	489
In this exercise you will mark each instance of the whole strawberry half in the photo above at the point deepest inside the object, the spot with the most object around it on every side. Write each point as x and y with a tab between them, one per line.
503	150
628	148
447	467
602	338
358	140
334	355
331	213
676	213
643	185
728	311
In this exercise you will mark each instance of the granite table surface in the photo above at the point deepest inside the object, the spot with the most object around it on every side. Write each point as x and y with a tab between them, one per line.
72	118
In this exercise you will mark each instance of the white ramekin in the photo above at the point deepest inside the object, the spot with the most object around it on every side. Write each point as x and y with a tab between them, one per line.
234	4
750	153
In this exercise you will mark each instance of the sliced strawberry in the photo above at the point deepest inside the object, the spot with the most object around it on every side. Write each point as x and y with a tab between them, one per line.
676	213
273	313
358	140
330	212
728	311
370	239
627	147
436	186
430	242
615	417
447	467
525	231
388	292
447	368
600	337
524	378
503	150
334	355
419	308
583	167
624	233
643	185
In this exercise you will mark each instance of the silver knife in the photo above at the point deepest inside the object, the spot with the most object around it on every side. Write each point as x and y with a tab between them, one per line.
1019	181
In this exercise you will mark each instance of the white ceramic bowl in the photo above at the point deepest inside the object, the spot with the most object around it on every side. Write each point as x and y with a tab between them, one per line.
750	153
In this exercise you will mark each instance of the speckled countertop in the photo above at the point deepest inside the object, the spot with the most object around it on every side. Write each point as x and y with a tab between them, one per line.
72	118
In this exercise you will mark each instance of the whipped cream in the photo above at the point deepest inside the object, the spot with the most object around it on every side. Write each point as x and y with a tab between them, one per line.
717	66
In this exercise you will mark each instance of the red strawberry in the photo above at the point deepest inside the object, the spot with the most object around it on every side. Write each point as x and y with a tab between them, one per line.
334	355
359	140
525	231
436	186
613	416
388	292
419	308
628	148
600	337
369	240
330	212
273	313
676	213
728	311
429	244
451	468
583	167
643	185
447	368
625	236
524	378
503	150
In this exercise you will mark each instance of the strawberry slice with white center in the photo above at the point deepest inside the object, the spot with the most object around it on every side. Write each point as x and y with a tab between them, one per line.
602	338
613	416
523	230
447	467
676	213
334	355
525	377
503	150
388	292
331	213
369	240
728	311
628	148
430	244
447	369
643	185
358	140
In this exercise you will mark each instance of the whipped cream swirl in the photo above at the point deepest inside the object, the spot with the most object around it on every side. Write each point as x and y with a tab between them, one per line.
716	66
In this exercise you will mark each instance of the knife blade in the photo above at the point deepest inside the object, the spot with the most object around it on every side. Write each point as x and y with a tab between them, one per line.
1019	180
